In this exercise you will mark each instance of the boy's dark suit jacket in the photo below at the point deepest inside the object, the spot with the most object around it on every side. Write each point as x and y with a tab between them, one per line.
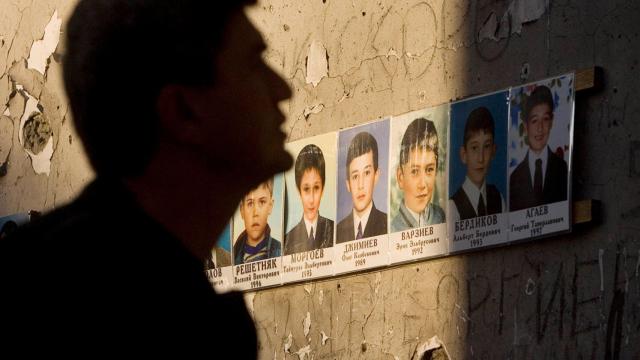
521	194
376	225
296	240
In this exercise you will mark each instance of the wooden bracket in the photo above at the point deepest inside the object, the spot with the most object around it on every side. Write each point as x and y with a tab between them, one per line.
589	79
585	211
586	81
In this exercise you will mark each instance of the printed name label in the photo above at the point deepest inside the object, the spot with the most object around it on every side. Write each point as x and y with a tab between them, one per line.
361	254
418	243
539	221
307	265
479	232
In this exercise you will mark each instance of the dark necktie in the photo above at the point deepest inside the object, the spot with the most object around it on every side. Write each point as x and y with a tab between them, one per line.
481	208
537	181
359	235
311	239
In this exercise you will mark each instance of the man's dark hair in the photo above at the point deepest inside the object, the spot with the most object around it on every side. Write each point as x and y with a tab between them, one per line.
360	145
420	134
119	55
479	119
310	157
540	95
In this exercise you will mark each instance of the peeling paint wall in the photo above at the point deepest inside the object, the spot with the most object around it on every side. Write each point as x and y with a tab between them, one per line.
41	162
352	61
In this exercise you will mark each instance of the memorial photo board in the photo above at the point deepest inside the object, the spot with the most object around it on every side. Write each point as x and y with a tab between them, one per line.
363	170
257	236
478	214
311	209
540	146
418	184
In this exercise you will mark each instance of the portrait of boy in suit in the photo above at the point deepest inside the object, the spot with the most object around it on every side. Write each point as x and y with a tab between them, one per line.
362	175
313	231
475	197
541	177
255	242
416	177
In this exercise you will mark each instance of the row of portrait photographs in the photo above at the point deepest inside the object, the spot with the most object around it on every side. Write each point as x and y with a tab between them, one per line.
474	173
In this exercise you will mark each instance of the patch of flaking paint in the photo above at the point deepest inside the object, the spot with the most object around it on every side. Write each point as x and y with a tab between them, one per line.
321	296
42	49
530	287
303	352
288	343
430	345
6	138
306	324
324	338
248	299
36	132
521	12
317	65
518	13
41	162
489	28
313	109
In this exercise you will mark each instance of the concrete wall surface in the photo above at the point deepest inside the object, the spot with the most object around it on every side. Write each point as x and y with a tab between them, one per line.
353	61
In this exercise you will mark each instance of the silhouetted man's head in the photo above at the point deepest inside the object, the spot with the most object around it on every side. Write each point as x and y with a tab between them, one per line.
187	72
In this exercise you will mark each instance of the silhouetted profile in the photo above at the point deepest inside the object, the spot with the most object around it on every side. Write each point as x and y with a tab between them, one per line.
160	92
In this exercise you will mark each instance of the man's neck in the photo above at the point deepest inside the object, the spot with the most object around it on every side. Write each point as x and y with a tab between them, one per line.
364	211
539	152
195	208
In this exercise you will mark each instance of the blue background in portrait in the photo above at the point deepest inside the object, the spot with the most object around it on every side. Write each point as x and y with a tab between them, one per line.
498	106
224	240
328	144
274	220
380	131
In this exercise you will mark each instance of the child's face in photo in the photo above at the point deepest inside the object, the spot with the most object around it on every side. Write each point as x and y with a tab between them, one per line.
255	210
477	154
538	126
311	188
417	178
361	181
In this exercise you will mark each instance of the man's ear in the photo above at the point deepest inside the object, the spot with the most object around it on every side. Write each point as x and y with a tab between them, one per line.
376	176
400	177
348	186
463	155
178	121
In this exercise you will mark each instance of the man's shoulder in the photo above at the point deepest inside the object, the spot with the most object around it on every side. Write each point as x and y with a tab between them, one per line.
346	223
438	214
378	215
296	229
522	169
556	162
459	194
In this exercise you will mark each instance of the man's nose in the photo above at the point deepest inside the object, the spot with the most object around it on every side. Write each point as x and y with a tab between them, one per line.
422	181
279	87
